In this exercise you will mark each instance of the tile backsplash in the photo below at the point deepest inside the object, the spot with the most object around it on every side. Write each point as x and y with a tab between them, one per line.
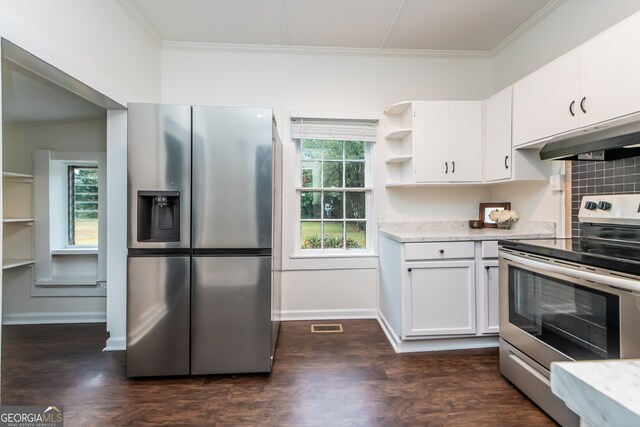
612	177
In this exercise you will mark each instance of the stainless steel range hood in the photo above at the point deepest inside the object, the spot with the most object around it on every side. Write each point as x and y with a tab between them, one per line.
596	143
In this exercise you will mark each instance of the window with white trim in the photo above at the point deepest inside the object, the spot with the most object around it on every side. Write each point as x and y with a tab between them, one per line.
82	213
334	189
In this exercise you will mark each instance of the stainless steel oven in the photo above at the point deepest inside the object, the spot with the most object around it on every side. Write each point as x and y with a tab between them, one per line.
568	299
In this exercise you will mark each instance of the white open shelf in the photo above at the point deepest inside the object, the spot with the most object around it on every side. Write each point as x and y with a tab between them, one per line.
398	134
16	175
9	220
398	108
13	263
398	159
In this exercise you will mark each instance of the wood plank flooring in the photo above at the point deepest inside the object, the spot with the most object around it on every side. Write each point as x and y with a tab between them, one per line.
342	379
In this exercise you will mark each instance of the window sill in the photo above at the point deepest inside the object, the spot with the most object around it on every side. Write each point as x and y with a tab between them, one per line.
329	255
359	261
75	251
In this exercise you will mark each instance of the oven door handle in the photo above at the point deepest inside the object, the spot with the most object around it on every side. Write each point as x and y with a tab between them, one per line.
618	282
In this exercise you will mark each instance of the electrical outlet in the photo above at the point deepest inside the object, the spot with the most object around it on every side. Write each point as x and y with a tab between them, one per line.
556	182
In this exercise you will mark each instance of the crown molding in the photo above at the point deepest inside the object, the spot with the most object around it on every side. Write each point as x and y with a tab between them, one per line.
321	50
139	18
526	26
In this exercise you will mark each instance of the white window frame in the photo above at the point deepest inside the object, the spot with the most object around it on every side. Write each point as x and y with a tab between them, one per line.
369	203
51	219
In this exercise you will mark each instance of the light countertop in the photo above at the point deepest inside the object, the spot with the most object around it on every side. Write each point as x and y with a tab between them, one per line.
438	231
602	393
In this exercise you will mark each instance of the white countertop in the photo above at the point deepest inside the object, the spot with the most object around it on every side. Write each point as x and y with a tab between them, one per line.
602	393
438	231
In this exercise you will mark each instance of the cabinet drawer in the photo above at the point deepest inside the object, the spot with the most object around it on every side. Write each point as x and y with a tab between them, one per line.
490	249
438	250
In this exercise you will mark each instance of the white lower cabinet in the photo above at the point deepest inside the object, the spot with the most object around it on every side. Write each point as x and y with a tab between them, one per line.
439	291
440	298
488	321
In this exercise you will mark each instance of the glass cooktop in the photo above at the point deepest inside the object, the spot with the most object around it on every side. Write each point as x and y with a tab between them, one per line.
616	255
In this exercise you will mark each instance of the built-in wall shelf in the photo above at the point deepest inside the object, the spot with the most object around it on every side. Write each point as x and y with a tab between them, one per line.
398	134
13	263
398	108
399	159
18	220
16	175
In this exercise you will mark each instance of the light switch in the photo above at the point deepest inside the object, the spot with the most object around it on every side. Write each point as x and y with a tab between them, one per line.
556	182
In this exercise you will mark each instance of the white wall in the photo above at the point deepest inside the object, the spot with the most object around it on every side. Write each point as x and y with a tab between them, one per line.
570	25
318	82
306	81
19	144
95	41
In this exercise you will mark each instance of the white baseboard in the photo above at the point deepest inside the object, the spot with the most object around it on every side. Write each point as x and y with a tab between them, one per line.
286	315
435	344
53	318
116	344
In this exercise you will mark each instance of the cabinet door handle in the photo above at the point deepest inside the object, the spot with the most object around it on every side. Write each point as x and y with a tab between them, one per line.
506	160
453	167
446	167
409	270
573	103
584	110
486	267
441	251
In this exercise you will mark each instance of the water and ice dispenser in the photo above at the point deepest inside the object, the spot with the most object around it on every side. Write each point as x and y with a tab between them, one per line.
158	216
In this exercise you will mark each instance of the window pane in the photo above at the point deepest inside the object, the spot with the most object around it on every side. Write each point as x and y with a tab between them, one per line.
311	174
333	150
333	205
311	149
333	235
310	235
354	174
354	150
83	206
355	205
310	205
332	174
356	234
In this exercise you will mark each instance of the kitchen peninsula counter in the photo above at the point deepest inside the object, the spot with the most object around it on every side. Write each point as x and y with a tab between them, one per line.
441	231
602	393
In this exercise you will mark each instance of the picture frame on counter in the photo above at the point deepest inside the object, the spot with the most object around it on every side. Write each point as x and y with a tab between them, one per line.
486	208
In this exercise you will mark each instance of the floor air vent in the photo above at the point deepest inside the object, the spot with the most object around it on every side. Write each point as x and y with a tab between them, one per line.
327	328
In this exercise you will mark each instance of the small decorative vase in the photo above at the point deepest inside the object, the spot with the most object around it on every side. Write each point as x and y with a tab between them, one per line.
505	225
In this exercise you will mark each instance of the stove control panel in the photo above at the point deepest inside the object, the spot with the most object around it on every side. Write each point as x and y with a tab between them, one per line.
611	208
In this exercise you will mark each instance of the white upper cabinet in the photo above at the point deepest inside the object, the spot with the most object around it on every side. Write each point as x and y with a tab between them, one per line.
501	161
433	142
497	136
546	102
465	141
594	83
610	67
448	144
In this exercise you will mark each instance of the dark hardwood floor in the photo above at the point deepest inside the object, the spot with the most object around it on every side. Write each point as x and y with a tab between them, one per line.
348	379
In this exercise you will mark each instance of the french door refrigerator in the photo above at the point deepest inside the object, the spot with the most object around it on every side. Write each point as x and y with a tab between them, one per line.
203	294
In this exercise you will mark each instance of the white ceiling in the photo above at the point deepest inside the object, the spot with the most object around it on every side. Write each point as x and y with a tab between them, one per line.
383	25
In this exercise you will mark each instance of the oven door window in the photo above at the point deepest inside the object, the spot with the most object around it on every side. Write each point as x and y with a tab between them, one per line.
581	322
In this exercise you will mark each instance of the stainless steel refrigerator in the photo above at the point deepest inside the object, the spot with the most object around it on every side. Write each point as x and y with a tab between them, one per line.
203	269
